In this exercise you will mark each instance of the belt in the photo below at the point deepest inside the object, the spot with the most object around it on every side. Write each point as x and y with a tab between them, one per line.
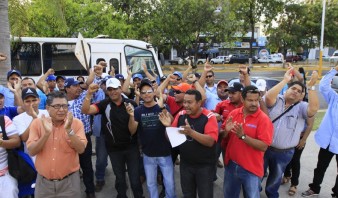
280	150
56	180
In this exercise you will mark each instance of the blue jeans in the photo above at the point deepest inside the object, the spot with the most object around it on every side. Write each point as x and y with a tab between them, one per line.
276	161
235	176
167	169
101	158
119	159
198	178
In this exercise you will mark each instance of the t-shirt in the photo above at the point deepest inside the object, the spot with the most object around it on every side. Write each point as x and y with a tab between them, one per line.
11	112
191	151
116	132
174	107
10	130
151	131
257	126
43	98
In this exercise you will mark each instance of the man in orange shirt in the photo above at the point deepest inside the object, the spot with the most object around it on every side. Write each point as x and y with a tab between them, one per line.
57	142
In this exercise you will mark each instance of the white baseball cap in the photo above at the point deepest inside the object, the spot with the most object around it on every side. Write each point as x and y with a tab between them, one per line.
261	84
113	82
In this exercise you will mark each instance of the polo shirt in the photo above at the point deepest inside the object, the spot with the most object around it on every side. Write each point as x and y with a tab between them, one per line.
257	126
211	101
224	107
288	128
192	152
173	106
11	112
212	89
115	130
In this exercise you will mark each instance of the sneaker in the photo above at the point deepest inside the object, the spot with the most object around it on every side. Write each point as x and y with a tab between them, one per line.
309	193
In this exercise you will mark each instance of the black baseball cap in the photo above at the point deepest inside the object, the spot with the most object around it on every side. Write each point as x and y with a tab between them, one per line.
29	92
235	87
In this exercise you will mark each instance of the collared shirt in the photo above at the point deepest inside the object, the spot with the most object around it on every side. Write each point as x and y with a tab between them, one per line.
288	128
225	107
327	133
257	126
75	107
212	89
57	158
9	96
211	101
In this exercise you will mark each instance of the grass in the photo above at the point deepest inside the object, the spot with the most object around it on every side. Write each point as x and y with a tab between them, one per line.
318	120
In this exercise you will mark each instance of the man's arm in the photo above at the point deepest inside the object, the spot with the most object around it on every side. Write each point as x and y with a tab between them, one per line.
243	70
35	146
87	108
200	89
312	96
146	72
126	84
12	142
271	95
41	82
132	124
309	126
75	140
207	68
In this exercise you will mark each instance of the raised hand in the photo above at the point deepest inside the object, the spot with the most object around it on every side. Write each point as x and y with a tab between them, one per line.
288	74
129	71
137	91
93	88
129	108
144	66
47	124
103	63
165	118
207	66
314	78
50	71
191	77
243	69
68	120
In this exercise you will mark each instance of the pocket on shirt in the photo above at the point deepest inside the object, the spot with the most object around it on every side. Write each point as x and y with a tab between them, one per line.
291	121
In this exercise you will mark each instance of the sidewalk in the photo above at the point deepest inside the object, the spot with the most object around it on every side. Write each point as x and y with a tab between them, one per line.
308	164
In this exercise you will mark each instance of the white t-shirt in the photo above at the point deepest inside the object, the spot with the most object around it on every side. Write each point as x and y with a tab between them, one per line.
22	122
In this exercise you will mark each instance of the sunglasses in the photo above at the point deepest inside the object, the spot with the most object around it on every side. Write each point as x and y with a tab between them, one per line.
178	92
209	76
146	92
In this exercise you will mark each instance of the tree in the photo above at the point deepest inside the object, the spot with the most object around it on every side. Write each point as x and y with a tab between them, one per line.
4	40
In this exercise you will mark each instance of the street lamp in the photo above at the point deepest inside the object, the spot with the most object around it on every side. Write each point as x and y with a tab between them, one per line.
322	41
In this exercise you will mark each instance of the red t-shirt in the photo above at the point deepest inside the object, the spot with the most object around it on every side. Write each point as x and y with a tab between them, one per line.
174	107
257	126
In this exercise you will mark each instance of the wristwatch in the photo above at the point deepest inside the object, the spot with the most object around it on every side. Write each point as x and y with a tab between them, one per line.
242	137
71	133
313	88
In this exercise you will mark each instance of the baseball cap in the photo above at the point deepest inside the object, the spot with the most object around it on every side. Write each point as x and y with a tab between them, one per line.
71	81
13	71
179	74
138	76
51	77
198	75
113	82
58	77
261	84
222	81
235	87
29	92
119	76
183	87
145	82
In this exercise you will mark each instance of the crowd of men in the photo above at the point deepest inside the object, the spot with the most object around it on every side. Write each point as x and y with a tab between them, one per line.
259	132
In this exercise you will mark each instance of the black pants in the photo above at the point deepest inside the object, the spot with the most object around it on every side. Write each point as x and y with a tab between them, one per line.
293	168
324	159
87	166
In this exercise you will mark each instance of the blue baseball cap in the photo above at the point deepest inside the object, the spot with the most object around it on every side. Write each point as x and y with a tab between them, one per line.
138	76
120	76
51	77
13	71
71	81
179	74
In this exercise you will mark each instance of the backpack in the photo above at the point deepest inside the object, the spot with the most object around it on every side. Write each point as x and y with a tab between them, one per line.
20	165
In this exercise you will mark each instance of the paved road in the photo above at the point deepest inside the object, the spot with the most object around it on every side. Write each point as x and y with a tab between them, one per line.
308	160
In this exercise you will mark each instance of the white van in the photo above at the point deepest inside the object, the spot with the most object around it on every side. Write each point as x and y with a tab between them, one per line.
33	56
334	57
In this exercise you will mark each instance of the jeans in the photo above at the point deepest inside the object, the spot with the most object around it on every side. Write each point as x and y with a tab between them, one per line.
167	168
324	159
293	168
101	158
235	177
87	167
276	161
119	159
197	178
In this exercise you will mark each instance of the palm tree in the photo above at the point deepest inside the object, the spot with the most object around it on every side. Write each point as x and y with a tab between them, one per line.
4	41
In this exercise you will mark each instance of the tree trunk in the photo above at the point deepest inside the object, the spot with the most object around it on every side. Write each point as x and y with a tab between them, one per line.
4	41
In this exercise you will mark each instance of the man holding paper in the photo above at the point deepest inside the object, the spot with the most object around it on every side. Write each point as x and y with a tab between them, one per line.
198	153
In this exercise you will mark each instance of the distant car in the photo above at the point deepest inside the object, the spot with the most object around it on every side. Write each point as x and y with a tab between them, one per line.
334	83
292	59
273	58
334	57
220	60
241	58
270	82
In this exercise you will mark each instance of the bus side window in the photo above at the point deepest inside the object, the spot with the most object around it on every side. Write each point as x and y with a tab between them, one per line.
114	63
97	62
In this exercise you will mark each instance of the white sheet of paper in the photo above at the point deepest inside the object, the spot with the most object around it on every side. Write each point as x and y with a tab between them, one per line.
175	137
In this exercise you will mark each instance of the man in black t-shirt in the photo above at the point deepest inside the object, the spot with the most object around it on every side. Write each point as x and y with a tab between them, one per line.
155	146
121	142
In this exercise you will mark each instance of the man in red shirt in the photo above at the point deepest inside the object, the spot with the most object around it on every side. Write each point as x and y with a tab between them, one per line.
250	133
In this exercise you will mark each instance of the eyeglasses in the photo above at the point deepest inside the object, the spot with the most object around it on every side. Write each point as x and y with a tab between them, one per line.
58	106
146	92
209	76
178	92
178	79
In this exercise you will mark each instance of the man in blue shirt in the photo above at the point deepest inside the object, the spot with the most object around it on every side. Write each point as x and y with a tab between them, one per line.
10	111
326	136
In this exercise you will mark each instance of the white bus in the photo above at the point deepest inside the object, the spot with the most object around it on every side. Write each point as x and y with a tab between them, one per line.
33	56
